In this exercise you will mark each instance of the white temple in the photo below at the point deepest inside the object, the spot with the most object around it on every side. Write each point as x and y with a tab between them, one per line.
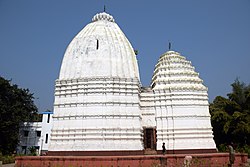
177	105
100	104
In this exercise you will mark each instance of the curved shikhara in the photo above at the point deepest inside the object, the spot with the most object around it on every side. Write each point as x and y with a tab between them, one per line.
101	106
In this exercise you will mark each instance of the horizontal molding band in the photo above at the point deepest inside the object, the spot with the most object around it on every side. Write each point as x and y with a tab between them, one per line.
77	117
102	133
94	138
100	103
64	94
129	104
90	135
91	79
97	88
171	100
147	114
162	86
185	129
185	137
166	93
177	81
174	104
169	66
185	133
164	72
94	129
183	116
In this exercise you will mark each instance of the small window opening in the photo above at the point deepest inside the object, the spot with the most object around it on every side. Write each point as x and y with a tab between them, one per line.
48	118
46	138
26	133
153	85
38	133
97	44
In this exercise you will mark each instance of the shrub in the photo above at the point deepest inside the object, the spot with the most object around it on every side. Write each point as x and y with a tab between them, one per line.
7	159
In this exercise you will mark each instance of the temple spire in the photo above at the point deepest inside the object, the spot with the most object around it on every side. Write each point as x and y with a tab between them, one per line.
104	8
169	45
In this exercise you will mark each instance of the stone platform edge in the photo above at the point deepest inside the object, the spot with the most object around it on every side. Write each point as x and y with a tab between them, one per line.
170	160
127	152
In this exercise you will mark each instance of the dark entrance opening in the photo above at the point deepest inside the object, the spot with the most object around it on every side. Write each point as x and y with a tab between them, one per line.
149	138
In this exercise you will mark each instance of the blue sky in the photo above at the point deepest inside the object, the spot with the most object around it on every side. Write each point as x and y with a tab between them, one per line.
214	35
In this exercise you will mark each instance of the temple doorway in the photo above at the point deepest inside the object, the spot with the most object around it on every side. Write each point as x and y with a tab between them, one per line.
149	138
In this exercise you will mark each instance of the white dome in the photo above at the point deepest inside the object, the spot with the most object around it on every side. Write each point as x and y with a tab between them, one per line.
174	72
99	50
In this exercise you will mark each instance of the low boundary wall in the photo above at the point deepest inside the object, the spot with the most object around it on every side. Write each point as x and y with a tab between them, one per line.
169	160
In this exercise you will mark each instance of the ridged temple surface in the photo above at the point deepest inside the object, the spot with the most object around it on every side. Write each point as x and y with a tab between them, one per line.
96	96
177	105
99	50
101	106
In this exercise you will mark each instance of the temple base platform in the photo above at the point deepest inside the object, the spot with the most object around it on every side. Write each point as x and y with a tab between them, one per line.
167	160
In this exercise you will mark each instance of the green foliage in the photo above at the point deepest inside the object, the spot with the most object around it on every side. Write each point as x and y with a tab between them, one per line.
245	149
16	106
230	118
7	159
32	151
223	147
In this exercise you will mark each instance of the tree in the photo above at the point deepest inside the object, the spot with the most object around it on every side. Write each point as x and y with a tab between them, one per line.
16	106
230	116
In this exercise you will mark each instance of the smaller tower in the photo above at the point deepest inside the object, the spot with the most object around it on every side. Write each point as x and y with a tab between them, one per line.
181	105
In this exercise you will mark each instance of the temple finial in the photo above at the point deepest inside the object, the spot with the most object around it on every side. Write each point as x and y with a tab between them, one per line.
104	9
169	45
